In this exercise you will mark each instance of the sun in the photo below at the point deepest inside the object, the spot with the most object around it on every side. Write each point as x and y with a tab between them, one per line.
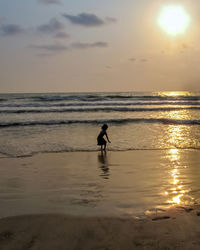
174	19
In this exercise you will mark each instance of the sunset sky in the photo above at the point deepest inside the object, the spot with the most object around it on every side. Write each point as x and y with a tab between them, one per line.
93	45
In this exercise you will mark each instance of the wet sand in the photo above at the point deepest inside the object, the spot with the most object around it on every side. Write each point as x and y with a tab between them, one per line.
38	210
90	184
177	228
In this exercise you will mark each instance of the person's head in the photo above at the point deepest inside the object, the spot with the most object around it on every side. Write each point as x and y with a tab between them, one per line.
104	127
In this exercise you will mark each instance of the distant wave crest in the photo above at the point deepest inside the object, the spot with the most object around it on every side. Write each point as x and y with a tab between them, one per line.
102	109
103	103
109	121
96	97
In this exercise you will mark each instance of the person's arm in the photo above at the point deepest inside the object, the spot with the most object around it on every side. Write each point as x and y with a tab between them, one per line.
108	138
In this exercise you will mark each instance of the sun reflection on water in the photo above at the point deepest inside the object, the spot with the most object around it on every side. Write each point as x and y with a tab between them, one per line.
177	190
177	194
177	186
175	93
176	138
178	114
174	154
178	135
176	199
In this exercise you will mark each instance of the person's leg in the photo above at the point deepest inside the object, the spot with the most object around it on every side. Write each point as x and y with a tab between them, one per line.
104	146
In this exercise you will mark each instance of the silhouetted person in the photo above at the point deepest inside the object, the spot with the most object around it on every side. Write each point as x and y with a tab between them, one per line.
100	140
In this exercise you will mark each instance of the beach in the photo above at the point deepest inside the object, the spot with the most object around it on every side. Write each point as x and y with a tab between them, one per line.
129	183
57	191
43	206
174	229
99	125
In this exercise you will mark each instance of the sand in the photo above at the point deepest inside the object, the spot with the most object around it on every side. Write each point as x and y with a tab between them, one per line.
177	228
88	184
28	221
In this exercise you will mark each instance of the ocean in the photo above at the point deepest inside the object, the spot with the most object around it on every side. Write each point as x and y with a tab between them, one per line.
37	123
50	161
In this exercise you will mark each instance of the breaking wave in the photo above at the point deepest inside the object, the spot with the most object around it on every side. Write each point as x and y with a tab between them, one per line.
109	121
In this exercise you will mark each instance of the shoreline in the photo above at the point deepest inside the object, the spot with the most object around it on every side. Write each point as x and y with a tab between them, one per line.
125	183
176	228
7	156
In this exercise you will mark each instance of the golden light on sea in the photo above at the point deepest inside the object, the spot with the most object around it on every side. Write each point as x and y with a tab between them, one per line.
177	192
174	93
176	199
173	19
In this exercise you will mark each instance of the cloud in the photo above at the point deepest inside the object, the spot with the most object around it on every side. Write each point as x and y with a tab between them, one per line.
111	19
57	47
62	34
132	59
10	30
79	45
50	47
144	60
85	19
51	27
49	1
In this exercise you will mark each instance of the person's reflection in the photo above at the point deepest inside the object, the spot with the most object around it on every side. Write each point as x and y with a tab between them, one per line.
103	164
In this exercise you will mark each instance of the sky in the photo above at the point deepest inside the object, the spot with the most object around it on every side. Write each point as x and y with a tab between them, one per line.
93	45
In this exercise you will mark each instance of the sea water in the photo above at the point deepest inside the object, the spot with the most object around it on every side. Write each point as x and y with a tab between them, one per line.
166	123
35	123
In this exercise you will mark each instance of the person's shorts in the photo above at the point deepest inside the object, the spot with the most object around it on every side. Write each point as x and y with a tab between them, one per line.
101	141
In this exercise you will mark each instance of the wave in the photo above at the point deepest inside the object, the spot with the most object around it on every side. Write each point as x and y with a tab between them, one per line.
56	98
109	121
81	104
97	97
104	109
153	97
57	151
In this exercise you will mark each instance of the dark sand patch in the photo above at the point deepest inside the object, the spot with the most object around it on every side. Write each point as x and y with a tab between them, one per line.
58	232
